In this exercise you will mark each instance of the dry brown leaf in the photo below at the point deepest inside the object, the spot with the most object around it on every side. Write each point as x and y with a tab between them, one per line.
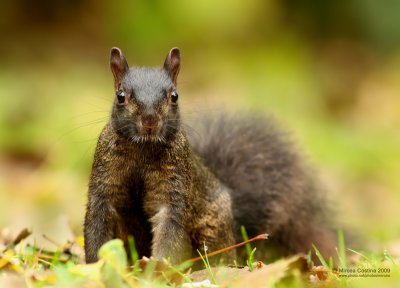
272	273
319	271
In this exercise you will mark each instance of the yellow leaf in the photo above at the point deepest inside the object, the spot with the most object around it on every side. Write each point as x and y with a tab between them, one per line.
51	279
80	241
6	258
17	268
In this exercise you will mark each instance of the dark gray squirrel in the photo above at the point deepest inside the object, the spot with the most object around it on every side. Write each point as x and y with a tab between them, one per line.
173	195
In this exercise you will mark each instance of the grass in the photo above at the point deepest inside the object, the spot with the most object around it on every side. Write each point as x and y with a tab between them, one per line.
250	252
379	267
207	263
39	268
134	254
341	251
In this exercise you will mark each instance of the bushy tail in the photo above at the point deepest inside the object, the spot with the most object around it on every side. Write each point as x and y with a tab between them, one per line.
273	191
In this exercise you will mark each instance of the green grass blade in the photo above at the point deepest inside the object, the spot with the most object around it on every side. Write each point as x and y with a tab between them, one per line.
207	264
362	255
132	249
245	238
389	258
134	255
341	249
319	255
250	261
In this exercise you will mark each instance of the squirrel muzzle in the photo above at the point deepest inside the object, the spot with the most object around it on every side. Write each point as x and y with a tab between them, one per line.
150	124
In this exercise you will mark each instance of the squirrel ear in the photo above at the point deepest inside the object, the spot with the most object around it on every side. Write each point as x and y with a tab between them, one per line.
119	66
172	63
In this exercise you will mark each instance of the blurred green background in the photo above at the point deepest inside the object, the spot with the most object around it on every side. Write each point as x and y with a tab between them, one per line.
329	72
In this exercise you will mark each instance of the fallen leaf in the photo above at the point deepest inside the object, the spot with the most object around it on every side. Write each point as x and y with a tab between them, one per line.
273	273
320	271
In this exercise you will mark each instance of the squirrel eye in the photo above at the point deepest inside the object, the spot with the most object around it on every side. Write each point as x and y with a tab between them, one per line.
174	96
121	96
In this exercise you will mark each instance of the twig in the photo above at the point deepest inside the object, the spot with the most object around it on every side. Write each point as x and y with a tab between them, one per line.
21	236
226	249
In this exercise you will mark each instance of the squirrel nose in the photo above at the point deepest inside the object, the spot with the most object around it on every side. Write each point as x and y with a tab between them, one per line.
149	121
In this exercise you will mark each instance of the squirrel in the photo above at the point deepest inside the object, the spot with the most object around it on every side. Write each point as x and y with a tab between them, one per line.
174	194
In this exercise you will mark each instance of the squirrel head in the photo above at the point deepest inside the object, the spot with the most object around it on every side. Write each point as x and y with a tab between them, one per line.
146	101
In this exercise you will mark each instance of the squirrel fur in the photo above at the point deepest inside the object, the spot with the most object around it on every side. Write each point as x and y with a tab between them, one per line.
173	194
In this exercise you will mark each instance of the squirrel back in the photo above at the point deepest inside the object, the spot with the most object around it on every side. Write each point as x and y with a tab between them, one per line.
272	189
